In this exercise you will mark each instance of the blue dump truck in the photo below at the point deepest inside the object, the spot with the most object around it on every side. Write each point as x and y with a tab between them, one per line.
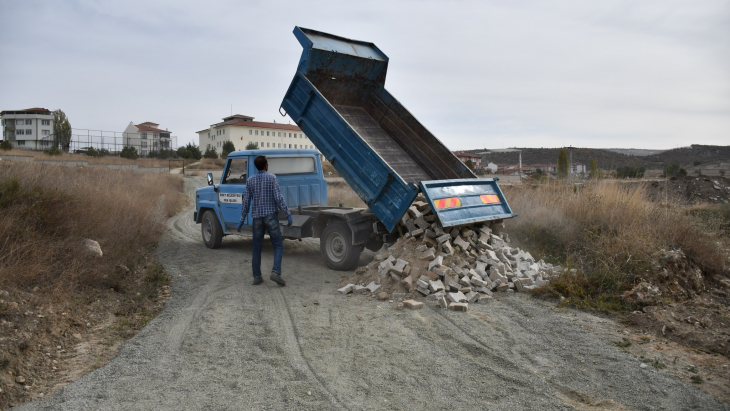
338	99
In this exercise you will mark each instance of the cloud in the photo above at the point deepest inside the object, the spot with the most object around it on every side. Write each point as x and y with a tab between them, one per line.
654	74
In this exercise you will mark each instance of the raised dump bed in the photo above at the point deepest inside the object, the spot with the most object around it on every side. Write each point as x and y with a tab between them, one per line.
338	98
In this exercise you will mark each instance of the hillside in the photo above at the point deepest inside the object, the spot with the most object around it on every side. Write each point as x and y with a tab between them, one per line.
609	159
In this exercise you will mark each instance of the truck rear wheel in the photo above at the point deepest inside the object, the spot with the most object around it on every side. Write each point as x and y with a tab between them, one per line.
336	247
212	232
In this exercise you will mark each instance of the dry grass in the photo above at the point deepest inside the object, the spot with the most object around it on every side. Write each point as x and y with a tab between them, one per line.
610	232
339	192
208	164
141	162
48	210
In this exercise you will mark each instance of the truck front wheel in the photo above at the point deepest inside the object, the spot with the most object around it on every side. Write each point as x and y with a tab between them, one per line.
336	247
212	232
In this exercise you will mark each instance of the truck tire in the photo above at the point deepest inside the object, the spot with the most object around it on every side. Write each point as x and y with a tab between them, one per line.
336	247
212	233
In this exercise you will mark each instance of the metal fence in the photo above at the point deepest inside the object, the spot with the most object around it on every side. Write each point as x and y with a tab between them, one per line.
115	141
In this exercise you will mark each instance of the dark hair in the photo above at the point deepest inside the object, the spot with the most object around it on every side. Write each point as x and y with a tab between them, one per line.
260	162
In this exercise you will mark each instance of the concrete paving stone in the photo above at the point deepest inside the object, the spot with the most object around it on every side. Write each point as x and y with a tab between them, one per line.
422	223
503	287
413	304
422	284
454	232
483	298
466	290
485	229
396	277
443	238
440	270
413	212
417	232
347	289
421	248
428	255
409	283
461	243
359	289
442	302
448	248
372	286
465	281
459	307
472	296
478	282
436	286
436	261
422	290
396	296
457	297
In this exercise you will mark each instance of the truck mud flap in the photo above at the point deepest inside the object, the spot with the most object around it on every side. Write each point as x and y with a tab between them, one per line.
466	201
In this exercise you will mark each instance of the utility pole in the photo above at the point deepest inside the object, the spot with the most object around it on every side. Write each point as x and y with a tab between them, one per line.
519	171
570	164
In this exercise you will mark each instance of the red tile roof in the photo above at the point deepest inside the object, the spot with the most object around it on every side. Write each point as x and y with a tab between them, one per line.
260	124
148	128
461	154
35	110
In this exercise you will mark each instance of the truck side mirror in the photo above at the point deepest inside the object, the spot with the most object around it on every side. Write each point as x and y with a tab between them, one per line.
210	179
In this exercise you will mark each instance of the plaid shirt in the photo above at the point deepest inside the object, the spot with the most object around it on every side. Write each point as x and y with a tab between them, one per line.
263	190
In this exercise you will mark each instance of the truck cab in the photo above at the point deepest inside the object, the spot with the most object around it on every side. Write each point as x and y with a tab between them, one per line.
218	206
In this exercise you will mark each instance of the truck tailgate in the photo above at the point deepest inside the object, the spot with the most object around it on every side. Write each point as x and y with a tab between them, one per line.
466	201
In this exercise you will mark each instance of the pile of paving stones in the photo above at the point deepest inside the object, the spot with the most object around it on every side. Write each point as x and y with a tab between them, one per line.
454	266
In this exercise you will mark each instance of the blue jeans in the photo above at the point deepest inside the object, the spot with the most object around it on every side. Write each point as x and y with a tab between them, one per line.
268	223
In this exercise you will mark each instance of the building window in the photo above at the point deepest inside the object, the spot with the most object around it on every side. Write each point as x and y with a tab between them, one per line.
224	131
45	122
155	136
21	142
19	131
257	132
144	152
208	135
143	144
295	146
289	145
143	136
46	132
28	131
250	132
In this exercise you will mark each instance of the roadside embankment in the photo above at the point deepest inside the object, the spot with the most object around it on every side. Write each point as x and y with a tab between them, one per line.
77	271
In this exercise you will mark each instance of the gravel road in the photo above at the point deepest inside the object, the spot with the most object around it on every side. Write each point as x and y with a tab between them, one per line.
221	343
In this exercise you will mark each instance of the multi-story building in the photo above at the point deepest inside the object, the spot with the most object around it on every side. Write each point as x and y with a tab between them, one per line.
476	160
242	131
30	128
146	137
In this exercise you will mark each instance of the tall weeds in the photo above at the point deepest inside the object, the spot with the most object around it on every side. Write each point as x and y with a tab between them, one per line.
609	232
46	212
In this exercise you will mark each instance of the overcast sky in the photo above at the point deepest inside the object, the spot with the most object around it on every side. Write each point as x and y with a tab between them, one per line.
495	74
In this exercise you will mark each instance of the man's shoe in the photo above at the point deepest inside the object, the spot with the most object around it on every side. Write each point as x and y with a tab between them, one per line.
257	280
277	279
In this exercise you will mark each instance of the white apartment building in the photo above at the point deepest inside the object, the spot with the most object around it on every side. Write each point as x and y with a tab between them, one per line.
242	130
146	137
30	128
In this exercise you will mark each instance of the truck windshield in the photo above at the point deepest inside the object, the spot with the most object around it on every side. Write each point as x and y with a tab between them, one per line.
291	165
236	171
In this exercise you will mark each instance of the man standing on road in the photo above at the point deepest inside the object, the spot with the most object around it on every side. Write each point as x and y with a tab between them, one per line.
263	191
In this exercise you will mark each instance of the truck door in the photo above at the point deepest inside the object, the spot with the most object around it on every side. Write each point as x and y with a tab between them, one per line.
230	194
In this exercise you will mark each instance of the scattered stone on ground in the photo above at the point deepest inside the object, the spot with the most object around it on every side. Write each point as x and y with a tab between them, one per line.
451	266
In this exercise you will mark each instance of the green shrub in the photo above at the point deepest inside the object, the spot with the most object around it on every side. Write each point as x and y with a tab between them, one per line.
129	152
6	145
53	151
210	153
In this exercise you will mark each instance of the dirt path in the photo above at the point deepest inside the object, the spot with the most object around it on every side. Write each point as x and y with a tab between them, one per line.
221	343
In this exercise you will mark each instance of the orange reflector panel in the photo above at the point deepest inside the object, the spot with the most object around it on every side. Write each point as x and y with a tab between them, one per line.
447	203
490	198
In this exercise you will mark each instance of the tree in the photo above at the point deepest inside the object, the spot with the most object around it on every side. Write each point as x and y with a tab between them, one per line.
594	168
194	151
228	147
563	163
129	152
92	152
6	145
210	153
469	164
61	130
674	170
252	146
630	172
183	152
